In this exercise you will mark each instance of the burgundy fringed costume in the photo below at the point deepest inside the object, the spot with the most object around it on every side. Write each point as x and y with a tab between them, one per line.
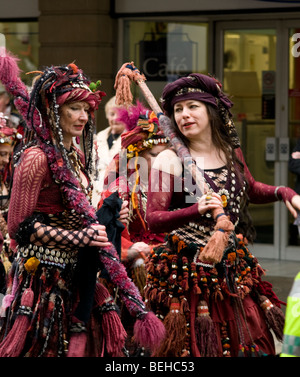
209	309
123	176
54	305
142	132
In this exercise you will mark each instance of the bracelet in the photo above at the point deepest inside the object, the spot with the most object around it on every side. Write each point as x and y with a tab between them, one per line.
275	192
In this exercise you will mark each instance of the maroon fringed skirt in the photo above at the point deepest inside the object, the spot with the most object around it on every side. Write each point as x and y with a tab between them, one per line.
218	307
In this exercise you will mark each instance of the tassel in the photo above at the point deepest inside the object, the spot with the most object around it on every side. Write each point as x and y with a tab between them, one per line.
148	330
140	274
9	70
205	331
214	249
9	298
255	351
13	344
77	344
274	317
176	329
125	75
113	330
243	351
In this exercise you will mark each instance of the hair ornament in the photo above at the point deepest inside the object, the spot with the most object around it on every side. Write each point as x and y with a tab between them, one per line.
95	85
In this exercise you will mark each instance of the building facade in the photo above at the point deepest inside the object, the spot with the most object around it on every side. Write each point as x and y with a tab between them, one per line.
252	46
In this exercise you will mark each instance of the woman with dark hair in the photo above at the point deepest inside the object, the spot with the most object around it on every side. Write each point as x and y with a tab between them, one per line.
204	282
54	304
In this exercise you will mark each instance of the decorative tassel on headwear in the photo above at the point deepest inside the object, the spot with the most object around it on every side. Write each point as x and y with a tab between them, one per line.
274	316
113	330
214	249
13	344
205	331
176	329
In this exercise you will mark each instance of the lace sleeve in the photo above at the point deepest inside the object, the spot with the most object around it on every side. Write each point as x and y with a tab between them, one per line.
26	226
29	177
160	196
33	231
261	193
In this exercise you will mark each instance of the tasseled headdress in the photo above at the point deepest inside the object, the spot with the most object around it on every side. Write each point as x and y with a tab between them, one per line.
8	135
143	131
205	89
55	86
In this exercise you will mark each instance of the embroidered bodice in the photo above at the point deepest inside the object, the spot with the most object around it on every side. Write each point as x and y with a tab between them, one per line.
167	208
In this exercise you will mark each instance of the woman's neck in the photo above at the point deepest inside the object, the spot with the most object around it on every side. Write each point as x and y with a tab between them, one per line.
68	144
208	156
201	147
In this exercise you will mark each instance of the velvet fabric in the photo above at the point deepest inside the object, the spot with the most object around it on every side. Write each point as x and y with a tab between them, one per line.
211	89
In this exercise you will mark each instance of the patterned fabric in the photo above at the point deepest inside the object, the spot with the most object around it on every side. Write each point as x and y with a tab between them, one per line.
231	289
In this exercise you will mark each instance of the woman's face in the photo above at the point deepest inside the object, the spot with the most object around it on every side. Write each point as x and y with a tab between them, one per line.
150	154
192	119
73	118
116	126
6	151
4	101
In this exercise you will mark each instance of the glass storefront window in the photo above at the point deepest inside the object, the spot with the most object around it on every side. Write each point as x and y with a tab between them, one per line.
21	38
293	116
164	51
249	78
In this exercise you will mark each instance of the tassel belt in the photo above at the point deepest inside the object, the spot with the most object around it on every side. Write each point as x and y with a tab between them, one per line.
48	256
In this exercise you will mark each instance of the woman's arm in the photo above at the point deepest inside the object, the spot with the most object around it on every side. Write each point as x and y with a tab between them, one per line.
260	193
161	190
30	176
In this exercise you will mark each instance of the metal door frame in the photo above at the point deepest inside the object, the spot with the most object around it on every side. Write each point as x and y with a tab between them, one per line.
279	249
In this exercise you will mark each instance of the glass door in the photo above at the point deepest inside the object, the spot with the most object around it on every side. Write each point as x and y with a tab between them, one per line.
292	103
248	68
259	64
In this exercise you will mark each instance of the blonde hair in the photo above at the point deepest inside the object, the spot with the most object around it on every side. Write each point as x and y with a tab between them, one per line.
111	103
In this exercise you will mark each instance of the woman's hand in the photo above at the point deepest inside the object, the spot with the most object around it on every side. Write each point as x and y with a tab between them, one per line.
296	155
294	205
98	236
208	202
124	213
138	248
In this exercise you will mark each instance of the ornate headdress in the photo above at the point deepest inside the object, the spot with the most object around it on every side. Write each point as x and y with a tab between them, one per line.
8	135
142	128
205	89
52	88
55	86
